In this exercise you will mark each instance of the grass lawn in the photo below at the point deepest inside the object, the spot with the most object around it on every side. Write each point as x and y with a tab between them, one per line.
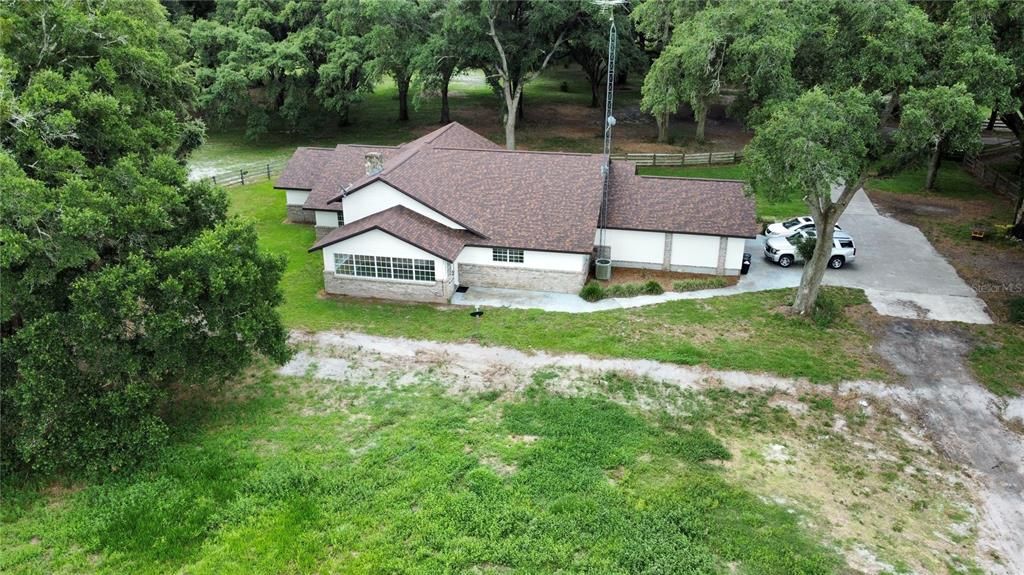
294	475
952	182
740	332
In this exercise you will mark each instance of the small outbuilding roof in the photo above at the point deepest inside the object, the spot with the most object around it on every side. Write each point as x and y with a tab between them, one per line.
408	226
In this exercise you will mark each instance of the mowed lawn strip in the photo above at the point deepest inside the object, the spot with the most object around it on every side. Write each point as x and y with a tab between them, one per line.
749	332
309	476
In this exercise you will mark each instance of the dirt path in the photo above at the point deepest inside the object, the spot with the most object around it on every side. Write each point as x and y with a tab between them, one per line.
968	423
938	407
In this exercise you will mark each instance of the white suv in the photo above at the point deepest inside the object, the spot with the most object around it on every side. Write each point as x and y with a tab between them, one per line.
782	250
790	227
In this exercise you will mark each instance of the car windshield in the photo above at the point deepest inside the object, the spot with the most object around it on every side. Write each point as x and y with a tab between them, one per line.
791	223
811	233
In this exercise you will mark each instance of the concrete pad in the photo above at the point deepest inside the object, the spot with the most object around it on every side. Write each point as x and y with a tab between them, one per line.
967	309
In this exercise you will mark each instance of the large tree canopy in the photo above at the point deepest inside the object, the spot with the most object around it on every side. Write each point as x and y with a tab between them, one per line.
120	278
264	60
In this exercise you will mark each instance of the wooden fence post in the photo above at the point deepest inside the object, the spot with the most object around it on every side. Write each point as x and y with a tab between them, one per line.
268	171
241	176
214	180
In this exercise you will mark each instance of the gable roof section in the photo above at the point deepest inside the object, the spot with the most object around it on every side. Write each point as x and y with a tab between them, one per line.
530	200
329	171
346	164
679	205
408	226
303	168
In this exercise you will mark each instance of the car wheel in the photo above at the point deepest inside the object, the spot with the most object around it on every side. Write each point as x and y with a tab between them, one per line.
836	262
785	261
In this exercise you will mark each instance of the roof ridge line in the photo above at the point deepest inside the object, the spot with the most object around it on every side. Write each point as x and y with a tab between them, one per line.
501	150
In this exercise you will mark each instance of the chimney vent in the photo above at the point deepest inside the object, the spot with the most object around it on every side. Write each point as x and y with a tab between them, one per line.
374	163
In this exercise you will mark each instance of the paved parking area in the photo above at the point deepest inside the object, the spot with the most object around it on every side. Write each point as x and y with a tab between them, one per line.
896	266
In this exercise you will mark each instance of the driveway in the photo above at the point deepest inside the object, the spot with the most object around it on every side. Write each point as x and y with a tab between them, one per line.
896	266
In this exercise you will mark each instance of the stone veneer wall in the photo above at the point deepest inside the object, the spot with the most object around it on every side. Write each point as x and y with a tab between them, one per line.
437	292
521	278
298	215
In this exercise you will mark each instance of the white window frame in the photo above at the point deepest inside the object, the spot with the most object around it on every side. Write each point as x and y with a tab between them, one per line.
384	268
508	255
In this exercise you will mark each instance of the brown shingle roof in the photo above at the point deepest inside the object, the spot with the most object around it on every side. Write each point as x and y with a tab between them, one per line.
408	226
346	165
531	200
680	205
303	168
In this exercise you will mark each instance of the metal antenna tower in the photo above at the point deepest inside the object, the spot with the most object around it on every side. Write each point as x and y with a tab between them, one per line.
609	119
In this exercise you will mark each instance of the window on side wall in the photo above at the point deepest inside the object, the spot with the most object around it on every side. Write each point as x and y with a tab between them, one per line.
384	267
509	255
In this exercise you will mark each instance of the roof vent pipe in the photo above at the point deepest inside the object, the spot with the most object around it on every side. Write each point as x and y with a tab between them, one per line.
374	163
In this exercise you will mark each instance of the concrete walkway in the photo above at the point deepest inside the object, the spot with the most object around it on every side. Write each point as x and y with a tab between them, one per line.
896	266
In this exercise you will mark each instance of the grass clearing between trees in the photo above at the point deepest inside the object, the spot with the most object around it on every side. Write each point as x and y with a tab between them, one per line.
737	332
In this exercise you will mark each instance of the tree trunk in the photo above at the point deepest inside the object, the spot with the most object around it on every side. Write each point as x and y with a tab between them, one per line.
594	87
701	114
403	97
512	100
446	79
520	112
826	214
661	118
933	167
992	120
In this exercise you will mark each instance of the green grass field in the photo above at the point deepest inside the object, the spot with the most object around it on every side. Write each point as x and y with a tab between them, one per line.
952	181
414	480
737	332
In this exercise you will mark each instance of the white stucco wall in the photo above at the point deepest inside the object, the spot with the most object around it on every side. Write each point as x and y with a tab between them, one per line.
559	261
326	219
295	197
634	246
378	243
695	251
379	196
734	257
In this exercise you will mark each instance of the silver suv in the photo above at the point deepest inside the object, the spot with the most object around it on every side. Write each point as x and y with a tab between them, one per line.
782	250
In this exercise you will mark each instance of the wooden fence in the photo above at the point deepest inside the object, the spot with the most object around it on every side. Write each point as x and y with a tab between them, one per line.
247	173
997	126
681	159
993	179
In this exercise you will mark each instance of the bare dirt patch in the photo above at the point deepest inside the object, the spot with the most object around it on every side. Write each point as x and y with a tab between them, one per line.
575	128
